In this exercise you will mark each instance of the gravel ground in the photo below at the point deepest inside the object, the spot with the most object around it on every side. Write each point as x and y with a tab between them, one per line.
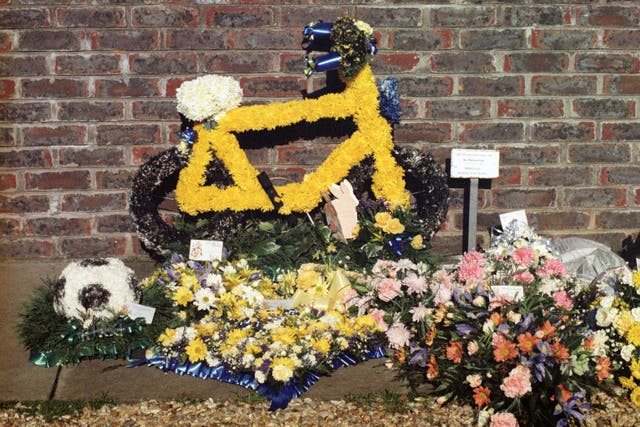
301	412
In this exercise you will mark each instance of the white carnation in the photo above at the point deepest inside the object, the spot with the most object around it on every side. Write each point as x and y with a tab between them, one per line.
208	97
626	352
605	317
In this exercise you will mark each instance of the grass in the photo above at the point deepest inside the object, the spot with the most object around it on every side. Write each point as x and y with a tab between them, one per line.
50	410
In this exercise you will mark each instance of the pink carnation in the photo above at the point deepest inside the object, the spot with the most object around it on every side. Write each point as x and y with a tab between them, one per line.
398	336
469	273
553	267
503	419
388	289
416	284
524	277
442	277
563	300
473	257
378	316
523	256
385	268
518	383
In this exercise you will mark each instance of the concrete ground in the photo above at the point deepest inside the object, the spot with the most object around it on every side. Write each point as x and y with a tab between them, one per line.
21	380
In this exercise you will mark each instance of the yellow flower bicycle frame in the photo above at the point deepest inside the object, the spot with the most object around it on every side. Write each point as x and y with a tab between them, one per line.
372	137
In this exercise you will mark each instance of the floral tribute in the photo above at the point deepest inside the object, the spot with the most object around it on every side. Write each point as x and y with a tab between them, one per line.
233	324
519	355
612	302
218	190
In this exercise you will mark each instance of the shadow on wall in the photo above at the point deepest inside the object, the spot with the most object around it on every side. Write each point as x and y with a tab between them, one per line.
631	249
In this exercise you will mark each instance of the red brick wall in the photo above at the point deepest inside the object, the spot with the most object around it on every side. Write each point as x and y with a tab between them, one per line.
87	94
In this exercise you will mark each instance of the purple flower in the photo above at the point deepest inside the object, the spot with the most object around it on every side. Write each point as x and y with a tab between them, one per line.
419	357
464	329
571	408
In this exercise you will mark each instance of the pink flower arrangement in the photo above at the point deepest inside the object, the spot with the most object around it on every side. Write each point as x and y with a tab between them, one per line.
517	383
563	300
523	256
471	268
398	336
415	284
524	277
388	289
552	267
503	419
378	316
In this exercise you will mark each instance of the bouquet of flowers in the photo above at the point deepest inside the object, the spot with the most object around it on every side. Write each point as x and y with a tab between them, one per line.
231	317
502	333
613	310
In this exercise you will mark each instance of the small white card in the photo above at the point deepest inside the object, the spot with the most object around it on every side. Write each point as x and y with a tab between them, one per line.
514	292
205	250
508	217
136	311
275	304
466	163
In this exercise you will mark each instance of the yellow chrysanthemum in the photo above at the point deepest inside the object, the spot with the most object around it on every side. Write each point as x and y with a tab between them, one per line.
635	368
308	279
623	321
235	336
206	329
627	383
166	339
365	324
417	242
196	350
183	296
322	346
284	335
253	349
633	334
635	396
190	281
635	277
282	369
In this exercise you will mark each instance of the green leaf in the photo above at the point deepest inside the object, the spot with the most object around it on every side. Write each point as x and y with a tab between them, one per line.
266	226
268	247
371	249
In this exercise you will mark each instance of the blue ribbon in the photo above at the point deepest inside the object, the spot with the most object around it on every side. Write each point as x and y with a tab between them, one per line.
188	135
316	36
329	61
397	242
279	397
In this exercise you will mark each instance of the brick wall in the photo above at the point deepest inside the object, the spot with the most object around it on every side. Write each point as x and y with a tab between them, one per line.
87	95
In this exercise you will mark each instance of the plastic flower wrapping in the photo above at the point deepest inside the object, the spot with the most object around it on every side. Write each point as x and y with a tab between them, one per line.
230	317
208	97
501	332
612	308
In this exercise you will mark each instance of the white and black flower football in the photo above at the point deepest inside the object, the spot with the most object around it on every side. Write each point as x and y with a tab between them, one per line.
95	288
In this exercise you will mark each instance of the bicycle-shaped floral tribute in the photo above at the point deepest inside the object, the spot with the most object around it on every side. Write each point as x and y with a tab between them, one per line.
272	317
